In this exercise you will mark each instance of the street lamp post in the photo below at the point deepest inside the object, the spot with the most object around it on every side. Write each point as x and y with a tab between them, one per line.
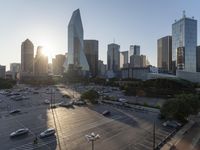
92	137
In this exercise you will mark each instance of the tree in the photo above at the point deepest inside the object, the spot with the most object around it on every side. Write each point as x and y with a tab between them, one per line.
90	95
181	107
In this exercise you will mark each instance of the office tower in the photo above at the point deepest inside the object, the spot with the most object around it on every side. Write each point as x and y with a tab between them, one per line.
113	57
57	64
76	56
2	72
15	70
40	63
101	68
180	58
198	58
143	61
135	61
27	54
164	53
184	34
123	58
91	52
134	50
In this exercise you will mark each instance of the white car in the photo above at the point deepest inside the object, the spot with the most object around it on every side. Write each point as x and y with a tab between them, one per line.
48	132
19	132
46	101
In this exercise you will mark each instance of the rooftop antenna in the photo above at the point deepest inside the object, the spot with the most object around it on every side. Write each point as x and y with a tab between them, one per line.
184	14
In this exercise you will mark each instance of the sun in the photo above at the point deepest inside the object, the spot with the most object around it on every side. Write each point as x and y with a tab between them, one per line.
47	51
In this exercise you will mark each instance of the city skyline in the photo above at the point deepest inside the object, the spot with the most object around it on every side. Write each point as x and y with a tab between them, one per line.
50	30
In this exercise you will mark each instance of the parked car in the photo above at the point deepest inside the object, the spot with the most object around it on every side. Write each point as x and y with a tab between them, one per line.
48	132
172	124
106	113
15	111
46	101
19	132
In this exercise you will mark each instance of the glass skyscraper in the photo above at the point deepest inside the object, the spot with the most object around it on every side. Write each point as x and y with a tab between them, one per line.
184	34
76	55
113	57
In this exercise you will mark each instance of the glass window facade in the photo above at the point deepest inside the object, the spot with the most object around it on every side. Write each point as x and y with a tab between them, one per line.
184	34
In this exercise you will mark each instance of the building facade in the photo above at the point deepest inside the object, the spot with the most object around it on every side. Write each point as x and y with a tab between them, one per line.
184	34
113	57
198	58
135	61
164	53
27	57
2	72
40	63
123	59
91	49
134	50
143	60
76	55
15	70
57	64
101	68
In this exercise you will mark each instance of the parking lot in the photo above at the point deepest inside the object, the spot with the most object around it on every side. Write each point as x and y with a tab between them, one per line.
123	129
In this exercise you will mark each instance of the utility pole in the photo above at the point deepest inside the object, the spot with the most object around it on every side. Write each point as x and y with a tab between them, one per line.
154	136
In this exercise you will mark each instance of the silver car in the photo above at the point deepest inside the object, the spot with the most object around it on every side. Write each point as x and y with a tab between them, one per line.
48	132
19	132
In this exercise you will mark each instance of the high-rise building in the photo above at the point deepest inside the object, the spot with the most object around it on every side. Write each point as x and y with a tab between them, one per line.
134	50
40	63
198	58
15	70
76	56
27	54
135	61
2	72
57	64
123	58
164	53
113	57
184	34
91	48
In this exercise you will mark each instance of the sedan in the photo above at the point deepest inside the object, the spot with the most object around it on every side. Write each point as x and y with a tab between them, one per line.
15	111
106	113
19	132
48	132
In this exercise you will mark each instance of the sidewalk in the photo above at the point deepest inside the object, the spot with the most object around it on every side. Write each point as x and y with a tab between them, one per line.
179	135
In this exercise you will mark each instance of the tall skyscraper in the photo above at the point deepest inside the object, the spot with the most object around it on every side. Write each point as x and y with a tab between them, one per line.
184	34
113	57
76	56
27	54
40	63
123	58
91	48
57	64
164	53
198	58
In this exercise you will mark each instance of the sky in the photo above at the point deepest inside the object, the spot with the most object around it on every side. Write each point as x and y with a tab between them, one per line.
125	22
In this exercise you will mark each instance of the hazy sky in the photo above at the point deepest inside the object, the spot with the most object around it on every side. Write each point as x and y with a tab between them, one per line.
44	22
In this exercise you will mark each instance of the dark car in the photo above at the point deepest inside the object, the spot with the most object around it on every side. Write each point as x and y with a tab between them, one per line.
15	111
